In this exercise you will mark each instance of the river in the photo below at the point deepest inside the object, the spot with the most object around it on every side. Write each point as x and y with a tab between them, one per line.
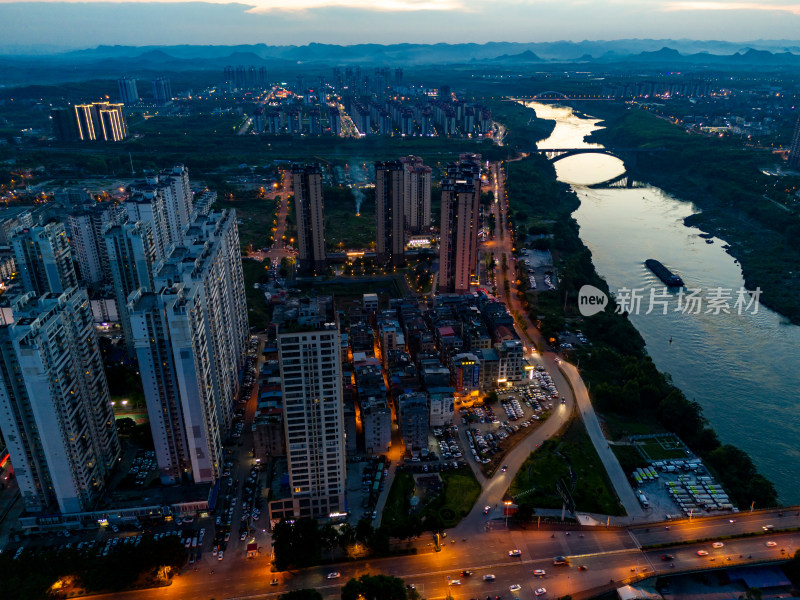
743	369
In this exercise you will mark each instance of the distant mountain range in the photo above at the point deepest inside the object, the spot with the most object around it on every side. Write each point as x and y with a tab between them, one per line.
109	61
410	54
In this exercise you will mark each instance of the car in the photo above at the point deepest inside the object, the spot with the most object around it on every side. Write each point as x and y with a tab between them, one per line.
466	573
717	545
274	582
334	575
702	553
455	582
768	527
515	552
582	568
514	588
539	572
667	557
771	544
486	509
559	560
219	556
505	468
243	536
540	591
489	577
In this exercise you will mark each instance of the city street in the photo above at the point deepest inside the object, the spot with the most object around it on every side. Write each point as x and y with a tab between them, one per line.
565	376
606	554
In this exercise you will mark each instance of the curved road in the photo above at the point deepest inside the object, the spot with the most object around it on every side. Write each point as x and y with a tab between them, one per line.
565	376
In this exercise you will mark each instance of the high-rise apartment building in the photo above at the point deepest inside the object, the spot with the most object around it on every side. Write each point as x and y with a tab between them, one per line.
172	349
458	247
54	401
190	336
99	121
128	94
162	91
64	124
131	252
43	259
389	212
145	203
794	149
310	217
164	201
311	384
85	227
416	194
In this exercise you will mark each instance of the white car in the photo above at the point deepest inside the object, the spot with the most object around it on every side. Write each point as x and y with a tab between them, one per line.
514	588
541	592
455	582
717	545
489	577
219	556
770	544
334	575
539	572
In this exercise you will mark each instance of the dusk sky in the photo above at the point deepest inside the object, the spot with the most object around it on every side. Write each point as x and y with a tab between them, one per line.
89	23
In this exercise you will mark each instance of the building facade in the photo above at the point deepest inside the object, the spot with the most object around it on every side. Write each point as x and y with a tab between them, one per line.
458	252
54	402
390	223
414	421
128	93
43	259
309	216
131	252
311	381
416	194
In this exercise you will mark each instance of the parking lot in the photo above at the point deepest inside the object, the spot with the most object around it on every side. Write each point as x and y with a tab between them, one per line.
143	470
490	428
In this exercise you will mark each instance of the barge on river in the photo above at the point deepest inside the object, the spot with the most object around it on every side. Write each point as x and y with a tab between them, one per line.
663	273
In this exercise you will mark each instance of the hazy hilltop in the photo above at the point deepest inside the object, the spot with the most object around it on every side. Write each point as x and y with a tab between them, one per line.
33	66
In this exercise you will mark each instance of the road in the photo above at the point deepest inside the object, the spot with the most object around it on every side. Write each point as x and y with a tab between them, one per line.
280	248
565	376
606	554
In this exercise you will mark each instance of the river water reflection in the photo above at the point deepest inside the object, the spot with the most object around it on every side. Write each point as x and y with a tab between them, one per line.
744	370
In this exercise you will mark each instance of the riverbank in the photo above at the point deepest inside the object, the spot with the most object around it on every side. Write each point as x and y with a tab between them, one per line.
724	180
625	383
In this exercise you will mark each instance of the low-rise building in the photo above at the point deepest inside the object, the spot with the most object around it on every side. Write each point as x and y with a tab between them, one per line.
413	417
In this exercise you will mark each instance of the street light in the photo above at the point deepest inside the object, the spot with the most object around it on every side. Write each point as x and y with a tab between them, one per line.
507	503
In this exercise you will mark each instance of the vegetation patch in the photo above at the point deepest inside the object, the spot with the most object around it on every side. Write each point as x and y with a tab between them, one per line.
535	484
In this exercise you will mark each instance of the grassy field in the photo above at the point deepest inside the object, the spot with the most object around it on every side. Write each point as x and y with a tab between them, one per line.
629	458
618	426
256	218
397	508
343	229
461	490
662	448
345	292
259	313
535	484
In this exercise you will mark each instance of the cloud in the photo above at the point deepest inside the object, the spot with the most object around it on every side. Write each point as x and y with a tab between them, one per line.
262	6
266	6
769	7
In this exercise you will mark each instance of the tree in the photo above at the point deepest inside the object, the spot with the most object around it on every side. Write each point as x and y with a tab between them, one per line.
375	587
304	594
364	530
